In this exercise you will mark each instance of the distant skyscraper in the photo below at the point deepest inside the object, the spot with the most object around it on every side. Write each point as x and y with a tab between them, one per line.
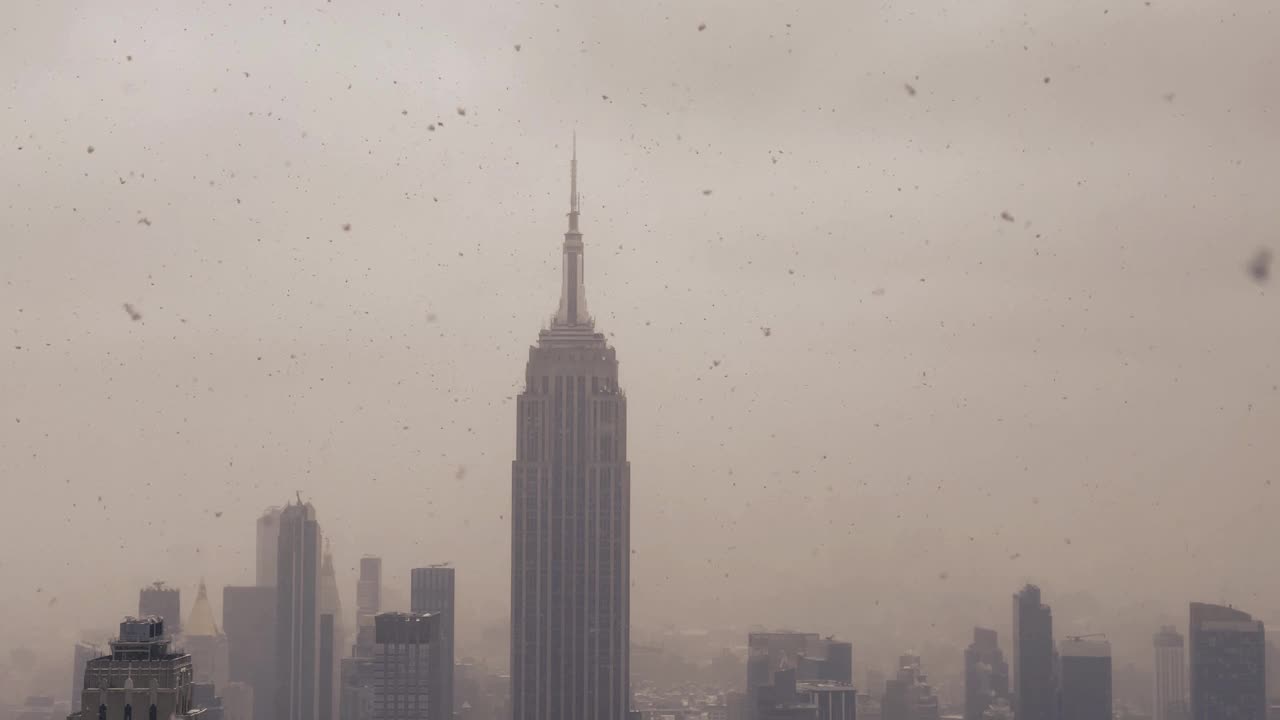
986	674
909	696
162	602
355	676
268	554
206	644
1034	688
874	680
333	637
368	603
1228	664
83	654
402	671
140	680
1085	679
795	675
432	591
297	614
1170	684
249	620
571	517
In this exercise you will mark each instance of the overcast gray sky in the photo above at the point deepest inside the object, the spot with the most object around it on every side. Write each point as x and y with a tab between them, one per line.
948	402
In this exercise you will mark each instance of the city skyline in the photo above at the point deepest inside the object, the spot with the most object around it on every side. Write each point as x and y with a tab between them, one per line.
804	669
1136	292
916	304
569	340
294	563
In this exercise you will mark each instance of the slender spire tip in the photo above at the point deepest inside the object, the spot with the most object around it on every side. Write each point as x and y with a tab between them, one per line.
573	176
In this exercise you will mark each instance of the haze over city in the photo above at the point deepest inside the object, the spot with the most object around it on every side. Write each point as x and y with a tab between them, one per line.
914	303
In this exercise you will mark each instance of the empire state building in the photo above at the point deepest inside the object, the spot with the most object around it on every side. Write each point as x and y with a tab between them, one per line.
571	516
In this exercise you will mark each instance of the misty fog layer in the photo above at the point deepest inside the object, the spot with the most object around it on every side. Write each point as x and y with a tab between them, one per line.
914	302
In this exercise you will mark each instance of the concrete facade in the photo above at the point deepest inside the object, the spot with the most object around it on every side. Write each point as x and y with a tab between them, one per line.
140	680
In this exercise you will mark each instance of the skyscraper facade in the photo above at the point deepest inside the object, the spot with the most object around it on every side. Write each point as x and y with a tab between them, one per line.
164	603
268	537
571	516
249	621
1085	679
327	674
986	674
368	603
1228	664
402	670
431	590
297	614
355	674
1169	686
1034	688
332	638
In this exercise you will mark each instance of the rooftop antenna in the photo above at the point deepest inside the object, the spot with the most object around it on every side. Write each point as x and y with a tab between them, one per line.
573	175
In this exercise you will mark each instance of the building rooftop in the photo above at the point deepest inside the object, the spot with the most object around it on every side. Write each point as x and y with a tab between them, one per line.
1084	648
401	628
145	629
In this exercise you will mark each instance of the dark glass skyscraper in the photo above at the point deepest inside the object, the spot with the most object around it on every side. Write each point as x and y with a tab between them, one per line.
1034	687
1085	680
1228	664
571	517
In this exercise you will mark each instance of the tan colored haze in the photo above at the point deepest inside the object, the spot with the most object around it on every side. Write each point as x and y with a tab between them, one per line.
914	301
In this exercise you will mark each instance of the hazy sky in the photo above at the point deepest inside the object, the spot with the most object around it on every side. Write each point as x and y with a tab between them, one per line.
947	402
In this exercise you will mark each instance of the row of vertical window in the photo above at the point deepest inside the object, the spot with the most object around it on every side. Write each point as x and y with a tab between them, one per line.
128	712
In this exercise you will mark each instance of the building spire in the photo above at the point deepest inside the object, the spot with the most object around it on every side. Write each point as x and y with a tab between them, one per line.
573	186
573	296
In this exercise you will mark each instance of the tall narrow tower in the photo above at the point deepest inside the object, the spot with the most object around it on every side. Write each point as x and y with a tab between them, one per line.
571	516
1034	685
297	613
